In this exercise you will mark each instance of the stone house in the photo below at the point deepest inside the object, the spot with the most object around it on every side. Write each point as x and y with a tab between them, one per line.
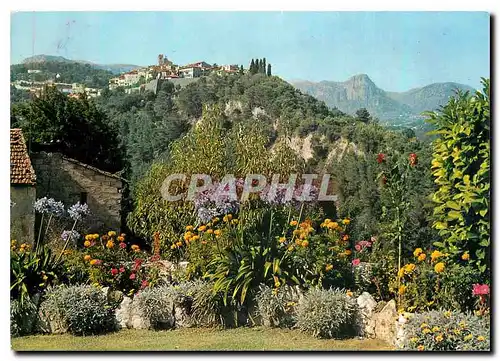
22	190
71	181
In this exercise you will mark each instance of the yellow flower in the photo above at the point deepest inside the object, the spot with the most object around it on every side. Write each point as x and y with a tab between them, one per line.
111	233
332	225
120	238
417	252
420	347
348	252
179	244
217	232
45	278
409	268
86	244
225	219
435	329
294	223
426	330
210	231
93	262
290	248
422	257
229	216
173	246
462	324
424	325
234	221
468	337
13	242
466	256
110	244
305	243
187	236
282	239
87	257
88	237
413	339
456	331
402	290
215	220
447	314
189	228
401	272
328	267
439	267
480	338
327	220
346	221
435	255
439	338
135	248
195	238
202	228
67	251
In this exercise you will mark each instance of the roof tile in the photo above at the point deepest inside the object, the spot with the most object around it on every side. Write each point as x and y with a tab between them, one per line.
21	170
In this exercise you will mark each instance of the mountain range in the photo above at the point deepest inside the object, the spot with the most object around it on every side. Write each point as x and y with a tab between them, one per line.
392	108
114	68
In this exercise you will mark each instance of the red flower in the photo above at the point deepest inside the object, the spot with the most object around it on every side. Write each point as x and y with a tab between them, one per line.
413	159
384	180
356	262
380	158
358	247
114	271
132	276
144	284
478	289
122	269
123	245
137	264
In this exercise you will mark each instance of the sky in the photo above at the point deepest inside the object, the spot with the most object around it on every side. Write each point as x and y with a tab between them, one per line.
397	50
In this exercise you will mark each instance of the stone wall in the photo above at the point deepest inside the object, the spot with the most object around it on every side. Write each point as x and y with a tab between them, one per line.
22	213
70	181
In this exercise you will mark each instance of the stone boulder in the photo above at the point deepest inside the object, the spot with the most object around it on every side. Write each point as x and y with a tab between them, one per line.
366	304
385	323
123	312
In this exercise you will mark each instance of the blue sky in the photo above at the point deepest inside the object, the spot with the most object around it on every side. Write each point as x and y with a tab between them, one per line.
398	51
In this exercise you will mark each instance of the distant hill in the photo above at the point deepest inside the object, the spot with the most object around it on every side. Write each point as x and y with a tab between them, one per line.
393	108
113	68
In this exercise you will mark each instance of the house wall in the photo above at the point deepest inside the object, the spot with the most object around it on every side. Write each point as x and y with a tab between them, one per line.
22	213
64	180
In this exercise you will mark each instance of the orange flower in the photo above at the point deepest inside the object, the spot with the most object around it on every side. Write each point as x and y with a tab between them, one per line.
305	243
202	228
421	257
110	244
217	232
294	223
210	231
346	237
328	267
348	252
87	257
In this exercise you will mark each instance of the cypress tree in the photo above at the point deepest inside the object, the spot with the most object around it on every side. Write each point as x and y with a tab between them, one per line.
252	67
269	70
241	69
264	66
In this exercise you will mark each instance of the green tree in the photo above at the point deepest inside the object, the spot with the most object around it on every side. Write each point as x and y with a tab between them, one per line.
252	67
461	167
363	115
269	70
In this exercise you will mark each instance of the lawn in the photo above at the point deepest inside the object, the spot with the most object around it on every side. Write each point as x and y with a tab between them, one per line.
240	339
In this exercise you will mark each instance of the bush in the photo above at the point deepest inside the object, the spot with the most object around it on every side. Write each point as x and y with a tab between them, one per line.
276	307
23	318
156	306
327	313
82	310
208	307
447	331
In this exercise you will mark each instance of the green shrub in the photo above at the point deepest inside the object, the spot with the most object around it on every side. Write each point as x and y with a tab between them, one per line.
327	313
447	331
156	306
461	167
23	318
276	307
82	310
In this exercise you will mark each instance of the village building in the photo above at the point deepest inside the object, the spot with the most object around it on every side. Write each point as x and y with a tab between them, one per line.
22	190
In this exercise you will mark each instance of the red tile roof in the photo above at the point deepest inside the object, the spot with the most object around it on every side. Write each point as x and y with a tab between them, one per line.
21	170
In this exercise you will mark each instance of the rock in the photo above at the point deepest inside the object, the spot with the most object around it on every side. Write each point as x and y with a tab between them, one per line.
122	313
183	311
400	330
366	304
385	323
51	321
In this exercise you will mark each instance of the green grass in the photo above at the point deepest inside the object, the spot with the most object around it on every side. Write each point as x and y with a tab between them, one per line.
193	339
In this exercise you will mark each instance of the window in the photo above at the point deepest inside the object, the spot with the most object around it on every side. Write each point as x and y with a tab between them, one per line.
83	197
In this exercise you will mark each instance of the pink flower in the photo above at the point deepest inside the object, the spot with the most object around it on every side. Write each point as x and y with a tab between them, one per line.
122	269
478	289
123	245
114	271
137	264
356	262
155	258
132	276
380	158
358	247
144	284
98	262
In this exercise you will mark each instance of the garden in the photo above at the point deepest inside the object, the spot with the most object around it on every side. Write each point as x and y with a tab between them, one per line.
400	261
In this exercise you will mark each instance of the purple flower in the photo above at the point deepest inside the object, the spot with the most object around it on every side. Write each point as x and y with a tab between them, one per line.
49	206
74	235
78	211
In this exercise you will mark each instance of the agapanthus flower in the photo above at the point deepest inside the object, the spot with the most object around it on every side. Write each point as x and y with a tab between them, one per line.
49	206
73	235
78	211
